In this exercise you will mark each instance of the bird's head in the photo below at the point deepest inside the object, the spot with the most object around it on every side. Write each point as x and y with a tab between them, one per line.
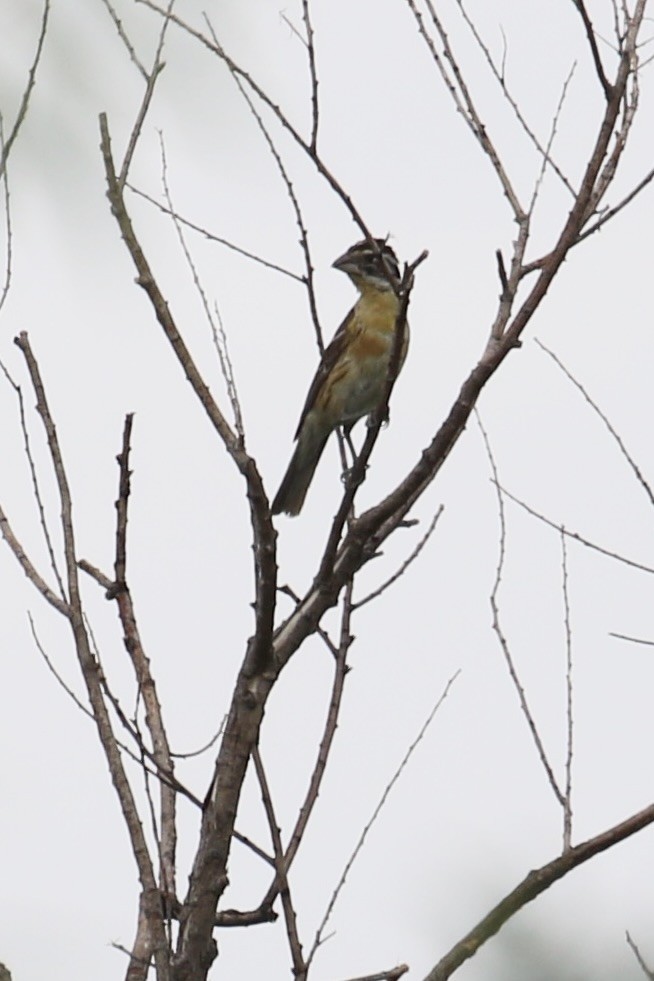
367	267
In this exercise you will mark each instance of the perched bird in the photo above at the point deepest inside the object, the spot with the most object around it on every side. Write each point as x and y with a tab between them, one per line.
351	377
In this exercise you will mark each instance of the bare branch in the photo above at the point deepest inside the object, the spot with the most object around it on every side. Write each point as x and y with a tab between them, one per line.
500	76
340	671
146	684
647	971
248	843
29	569
264	533
567	793
319	938
497	627
60	681
147	282
405	565
625	453
203	749
89	665
217	332
4	176
290	918
610	167
550	140
311	52
208	877
535	883
122	33
308	279
612	212
35	481
141	953
214	238
394	974
452	76
573	534
151	81
321	632
633	640
25	101
262	95
592	41
236	918
501	271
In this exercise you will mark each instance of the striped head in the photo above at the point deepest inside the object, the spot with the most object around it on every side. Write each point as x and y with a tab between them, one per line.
367	267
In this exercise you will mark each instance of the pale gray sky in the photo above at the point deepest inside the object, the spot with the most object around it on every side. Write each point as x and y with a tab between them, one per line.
473	812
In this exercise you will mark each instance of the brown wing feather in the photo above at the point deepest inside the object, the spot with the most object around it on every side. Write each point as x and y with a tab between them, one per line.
332	353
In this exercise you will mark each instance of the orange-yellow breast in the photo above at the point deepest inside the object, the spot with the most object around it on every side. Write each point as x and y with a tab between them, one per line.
356	383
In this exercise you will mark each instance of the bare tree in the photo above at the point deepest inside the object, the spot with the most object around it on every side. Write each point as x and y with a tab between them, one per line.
176	931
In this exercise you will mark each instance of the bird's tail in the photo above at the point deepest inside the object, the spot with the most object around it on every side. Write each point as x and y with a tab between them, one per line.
293	489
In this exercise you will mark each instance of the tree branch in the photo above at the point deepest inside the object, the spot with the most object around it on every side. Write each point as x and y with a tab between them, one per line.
533	885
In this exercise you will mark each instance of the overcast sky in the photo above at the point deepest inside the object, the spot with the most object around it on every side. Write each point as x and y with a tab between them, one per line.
473	811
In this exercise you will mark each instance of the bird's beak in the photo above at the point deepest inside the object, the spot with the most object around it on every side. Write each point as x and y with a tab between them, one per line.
345	263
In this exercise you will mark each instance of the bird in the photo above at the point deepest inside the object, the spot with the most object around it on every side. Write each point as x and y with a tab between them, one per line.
351	378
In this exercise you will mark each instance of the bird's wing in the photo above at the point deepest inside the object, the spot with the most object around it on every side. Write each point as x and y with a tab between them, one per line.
333	352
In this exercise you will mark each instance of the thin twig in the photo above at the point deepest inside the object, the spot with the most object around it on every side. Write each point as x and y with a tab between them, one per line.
311	53
319	938
36	488
167	779
29	568
214	238
647	971
413	555
151	81
500	76
4	176
633	640
122	33
603	219
550	141
625	453
244	840
203	749
497	626
567	794
393	974
458	89
60	681
290	917
574	535
308	279
592	41
25	101
612	212
217	332
262	95
331	722
219	336
80	705
263	531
